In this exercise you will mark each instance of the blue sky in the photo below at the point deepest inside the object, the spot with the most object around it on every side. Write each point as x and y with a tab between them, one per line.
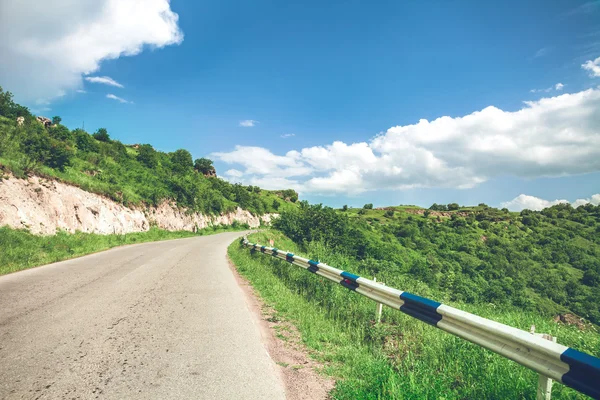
323	72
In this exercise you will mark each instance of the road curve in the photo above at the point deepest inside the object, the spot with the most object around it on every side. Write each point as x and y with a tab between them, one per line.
162	320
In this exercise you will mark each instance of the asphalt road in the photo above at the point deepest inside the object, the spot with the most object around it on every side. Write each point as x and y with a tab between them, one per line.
161	320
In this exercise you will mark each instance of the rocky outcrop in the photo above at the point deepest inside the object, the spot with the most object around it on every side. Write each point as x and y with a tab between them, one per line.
44	121
45	206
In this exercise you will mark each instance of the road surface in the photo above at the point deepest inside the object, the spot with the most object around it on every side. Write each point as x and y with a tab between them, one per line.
161	320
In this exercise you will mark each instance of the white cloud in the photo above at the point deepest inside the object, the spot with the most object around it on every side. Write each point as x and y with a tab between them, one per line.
46	50
595	200
119	99
593	67
559	86
288	135
234	173
105	80
554	136
523	201
248	123
81	91
260	161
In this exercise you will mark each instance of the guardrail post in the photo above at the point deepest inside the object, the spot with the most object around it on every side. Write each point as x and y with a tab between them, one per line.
544	389
379	309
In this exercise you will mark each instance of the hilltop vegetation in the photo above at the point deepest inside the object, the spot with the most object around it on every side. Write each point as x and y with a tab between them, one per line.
131	175
546	261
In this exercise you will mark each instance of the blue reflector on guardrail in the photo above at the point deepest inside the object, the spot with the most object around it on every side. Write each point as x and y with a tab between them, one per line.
349	276
420	308
584	372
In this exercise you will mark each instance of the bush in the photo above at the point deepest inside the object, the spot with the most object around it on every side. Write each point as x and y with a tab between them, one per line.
368	206
147	156
85	142
389	213
101	135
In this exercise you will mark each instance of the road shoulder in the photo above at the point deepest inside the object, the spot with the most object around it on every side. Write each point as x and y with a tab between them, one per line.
298	372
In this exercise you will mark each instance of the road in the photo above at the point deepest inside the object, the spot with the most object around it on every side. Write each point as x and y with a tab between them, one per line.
161	320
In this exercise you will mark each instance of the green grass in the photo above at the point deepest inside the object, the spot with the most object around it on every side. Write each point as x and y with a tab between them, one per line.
22	250
401	358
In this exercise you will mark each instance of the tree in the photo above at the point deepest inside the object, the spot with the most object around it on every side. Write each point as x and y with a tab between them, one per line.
203	165
453	207
56	120
345	207
368	206
101	135
147	156
389	213
182	160
438	207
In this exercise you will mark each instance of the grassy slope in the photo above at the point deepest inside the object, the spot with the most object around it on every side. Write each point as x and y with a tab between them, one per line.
402	357
22	250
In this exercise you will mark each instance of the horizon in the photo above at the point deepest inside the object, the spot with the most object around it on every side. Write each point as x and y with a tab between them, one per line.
347	104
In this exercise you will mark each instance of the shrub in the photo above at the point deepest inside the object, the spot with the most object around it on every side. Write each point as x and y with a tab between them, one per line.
101	135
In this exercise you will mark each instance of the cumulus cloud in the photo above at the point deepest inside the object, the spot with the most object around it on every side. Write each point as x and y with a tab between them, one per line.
593	67
105	80
46	50
553	136
523	201
119	99
248	123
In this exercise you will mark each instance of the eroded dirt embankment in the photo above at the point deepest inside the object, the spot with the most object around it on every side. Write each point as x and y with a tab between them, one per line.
46	206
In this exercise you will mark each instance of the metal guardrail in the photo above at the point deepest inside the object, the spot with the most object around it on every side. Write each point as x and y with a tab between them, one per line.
571	367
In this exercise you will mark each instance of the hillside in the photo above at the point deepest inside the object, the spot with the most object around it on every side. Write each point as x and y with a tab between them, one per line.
520	269
129	174
546	261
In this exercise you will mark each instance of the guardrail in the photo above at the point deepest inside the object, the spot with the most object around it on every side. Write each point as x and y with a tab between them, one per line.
571	367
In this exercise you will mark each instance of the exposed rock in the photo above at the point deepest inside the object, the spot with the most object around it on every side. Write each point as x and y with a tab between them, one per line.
45	206
571	319
20	121
44	121
211	172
